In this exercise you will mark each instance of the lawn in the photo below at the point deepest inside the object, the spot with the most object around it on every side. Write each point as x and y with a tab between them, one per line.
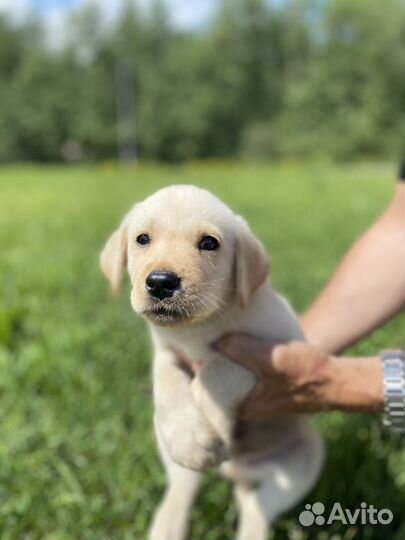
77	455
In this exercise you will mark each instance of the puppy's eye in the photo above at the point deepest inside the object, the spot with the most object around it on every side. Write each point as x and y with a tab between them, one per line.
208	243
143	239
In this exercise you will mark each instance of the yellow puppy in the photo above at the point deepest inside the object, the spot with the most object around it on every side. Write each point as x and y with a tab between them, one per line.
197	273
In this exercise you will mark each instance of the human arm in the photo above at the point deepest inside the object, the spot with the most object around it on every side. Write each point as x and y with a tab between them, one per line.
368	287
300	378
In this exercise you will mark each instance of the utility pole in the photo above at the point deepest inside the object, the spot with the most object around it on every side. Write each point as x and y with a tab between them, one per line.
125	108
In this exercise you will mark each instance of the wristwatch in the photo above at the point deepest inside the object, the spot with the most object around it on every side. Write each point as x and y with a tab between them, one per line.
393	364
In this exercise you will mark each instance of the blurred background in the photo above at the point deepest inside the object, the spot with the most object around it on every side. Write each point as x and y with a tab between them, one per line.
291	111
87	80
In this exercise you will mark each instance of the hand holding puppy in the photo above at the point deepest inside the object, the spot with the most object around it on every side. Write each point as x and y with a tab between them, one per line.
299	378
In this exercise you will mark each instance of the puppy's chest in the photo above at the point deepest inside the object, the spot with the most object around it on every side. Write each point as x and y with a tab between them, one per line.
193	346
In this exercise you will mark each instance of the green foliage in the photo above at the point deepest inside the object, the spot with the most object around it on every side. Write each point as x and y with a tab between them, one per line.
77	455
308	77
346	96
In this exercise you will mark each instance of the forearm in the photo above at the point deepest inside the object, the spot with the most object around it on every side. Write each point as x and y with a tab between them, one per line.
355	385
368	287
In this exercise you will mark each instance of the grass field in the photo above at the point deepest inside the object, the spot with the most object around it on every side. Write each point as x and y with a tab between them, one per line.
77	456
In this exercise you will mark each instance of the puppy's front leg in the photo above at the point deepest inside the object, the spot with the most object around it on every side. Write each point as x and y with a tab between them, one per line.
170	521
188	435
219	388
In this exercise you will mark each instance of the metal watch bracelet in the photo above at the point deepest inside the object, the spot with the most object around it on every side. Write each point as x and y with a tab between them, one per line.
393	364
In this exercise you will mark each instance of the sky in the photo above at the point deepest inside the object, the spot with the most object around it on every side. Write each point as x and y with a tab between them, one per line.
184	14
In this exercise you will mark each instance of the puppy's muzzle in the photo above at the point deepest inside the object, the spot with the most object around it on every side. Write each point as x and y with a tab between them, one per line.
161	284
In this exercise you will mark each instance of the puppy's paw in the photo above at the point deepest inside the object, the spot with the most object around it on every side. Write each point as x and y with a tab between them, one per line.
200	459
198	451
213	450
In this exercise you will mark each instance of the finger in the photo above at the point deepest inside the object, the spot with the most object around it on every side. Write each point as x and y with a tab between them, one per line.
255	412
258	408
253	402
252	353
257	405
279	358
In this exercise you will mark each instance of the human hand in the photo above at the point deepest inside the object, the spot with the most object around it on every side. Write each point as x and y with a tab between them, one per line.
291	378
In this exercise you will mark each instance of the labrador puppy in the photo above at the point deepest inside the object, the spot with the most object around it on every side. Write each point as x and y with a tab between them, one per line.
198	272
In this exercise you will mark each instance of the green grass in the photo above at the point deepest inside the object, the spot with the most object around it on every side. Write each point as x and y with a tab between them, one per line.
77	455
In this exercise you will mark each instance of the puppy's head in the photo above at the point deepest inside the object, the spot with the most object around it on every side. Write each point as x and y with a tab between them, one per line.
187	255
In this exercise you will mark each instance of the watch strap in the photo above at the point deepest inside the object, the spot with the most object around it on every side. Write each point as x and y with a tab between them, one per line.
393	363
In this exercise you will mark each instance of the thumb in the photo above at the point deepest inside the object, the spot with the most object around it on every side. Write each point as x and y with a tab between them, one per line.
252	353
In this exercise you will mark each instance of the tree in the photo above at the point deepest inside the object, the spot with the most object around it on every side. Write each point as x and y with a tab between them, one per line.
302	78
346	98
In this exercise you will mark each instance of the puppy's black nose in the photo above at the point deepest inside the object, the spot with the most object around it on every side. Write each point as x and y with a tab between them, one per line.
162	284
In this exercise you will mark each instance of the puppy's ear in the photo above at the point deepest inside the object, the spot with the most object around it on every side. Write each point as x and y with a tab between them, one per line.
113	258
251	263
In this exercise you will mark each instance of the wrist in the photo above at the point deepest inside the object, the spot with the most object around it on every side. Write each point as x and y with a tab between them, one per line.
356	385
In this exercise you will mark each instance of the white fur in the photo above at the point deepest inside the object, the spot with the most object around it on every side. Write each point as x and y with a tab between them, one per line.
275	463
